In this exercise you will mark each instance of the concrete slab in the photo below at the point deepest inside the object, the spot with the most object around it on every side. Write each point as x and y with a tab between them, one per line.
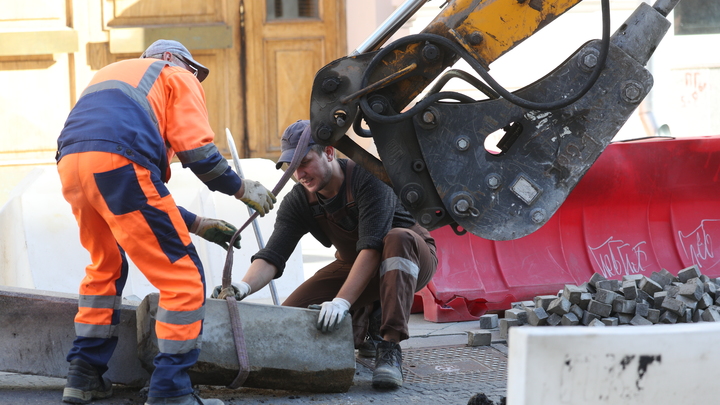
658	364
285	350
38	331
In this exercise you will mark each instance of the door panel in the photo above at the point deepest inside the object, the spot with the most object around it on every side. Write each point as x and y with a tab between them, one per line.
287	42
289	90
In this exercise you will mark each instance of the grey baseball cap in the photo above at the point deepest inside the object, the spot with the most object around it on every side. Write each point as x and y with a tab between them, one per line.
289	141
179	50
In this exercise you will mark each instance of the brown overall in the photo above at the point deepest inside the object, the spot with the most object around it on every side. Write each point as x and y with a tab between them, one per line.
408	263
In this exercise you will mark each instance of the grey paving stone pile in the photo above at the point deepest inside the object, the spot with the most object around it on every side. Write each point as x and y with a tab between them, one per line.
661	298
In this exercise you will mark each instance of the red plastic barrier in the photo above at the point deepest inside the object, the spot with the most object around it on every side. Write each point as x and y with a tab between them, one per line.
643	206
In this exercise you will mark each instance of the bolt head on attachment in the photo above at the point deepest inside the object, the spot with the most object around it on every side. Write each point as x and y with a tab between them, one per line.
412	196
475	38
426	218
462	143
590	60
428	117
632	91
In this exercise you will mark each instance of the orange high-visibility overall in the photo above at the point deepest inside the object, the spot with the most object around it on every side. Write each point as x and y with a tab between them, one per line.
113	156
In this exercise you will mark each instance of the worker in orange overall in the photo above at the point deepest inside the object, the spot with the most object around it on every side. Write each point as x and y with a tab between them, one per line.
113	160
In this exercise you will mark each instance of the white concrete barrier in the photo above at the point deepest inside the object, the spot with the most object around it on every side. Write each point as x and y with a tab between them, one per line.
638	365
40	247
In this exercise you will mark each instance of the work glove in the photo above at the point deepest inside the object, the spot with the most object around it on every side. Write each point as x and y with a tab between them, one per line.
257	197
215	230
332	313
240	291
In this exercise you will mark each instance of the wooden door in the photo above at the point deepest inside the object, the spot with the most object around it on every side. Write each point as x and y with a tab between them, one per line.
287	42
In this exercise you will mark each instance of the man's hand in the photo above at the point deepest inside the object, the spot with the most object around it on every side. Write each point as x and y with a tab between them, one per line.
240	291
332	313
215	230
256	196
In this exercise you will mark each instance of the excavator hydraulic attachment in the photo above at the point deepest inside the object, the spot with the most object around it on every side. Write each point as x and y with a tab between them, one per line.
434	153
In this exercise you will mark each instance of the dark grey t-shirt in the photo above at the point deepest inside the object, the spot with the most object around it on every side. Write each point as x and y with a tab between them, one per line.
378	211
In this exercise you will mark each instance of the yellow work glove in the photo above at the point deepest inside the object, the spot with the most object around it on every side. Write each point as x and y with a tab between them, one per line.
256	196
215	230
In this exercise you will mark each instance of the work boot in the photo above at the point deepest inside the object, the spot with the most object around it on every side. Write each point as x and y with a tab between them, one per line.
85	384
388	366
368	348
189	399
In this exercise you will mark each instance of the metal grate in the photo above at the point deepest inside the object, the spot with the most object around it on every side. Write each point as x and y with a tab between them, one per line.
450	364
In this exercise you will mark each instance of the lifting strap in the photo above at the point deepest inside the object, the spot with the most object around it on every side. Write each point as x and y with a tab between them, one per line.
239	337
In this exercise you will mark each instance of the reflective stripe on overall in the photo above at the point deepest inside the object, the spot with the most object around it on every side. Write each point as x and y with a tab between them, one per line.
121	206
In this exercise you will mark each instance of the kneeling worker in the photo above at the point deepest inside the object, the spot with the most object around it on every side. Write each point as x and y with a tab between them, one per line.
382	253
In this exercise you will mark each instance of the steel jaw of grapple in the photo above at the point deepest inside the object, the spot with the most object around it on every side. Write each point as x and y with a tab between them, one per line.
544	154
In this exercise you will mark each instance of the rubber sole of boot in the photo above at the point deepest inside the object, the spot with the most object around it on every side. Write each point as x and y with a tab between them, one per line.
78	396
386	379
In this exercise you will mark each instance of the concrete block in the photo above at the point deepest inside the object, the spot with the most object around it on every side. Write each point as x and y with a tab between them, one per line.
605	296
479	338
629	289
585	300
711	315
663	364
570	319
687	317
659	297
687	273
575	309
518	314
662	279
505	325
697	315
560	306
653	315
527	304
705	301
710	288
645	297
672	290
639	321
673	305
554	319
692	290
38	330
285	350
668	317
596	322
572	293
598	308
642	309
489	321
610	285
635	278
689	302
536	316
543	301
585	287
595	279
611	321
624	319
588	317
624	306
649	286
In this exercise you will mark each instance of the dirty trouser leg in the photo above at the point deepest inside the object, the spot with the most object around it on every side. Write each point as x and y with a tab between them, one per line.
408	264
143	219
322	286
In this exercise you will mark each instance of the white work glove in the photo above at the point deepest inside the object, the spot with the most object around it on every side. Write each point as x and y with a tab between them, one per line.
240	291
257	197
332	313
215	230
